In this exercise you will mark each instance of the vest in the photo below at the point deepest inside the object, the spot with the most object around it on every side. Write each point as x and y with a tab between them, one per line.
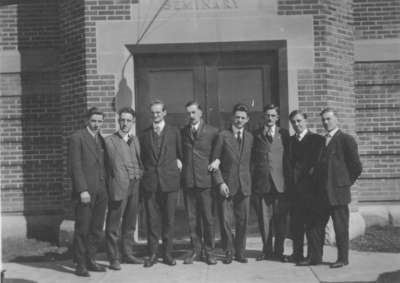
275	160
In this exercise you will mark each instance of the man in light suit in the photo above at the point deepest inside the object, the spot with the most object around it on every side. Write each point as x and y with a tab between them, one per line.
338	168
233	151
271	181
304	149
198	139
87	171
161	155
124	172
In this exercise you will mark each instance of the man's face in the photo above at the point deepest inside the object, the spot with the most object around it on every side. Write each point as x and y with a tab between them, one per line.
126	122
157	113
329	121
194	114
240	119
95	122
270	117
299	124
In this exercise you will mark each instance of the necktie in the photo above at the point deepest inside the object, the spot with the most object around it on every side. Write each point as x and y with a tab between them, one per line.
327	139
269	135
157	130
194	132
298	137
239	138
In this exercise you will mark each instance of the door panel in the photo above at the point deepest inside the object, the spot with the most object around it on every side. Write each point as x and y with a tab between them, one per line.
216	80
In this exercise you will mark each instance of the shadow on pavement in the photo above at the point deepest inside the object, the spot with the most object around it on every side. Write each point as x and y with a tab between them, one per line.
386	277
389	277
18	280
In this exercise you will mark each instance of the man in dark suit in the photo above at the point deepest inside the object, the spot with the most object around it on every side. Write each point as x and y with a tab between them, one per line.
198	139
161	156
86	167
124	172
271	177
338	168
304	149
233	151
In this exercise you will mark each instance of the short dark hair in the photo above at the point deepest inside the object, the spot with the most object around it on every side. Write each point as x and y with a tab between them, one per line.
295	112
193	102
94	111
241	107
127	110
328	109
157	101
271	107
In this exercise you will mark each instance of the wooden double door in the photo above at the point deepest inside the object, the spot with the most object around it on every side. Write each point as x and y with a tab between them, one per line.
217	80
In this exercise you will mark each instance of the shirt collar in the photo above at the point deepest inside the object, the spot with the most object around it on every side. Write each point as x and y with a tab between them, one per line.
273	128
332	132
236	130
161	125
93	134
124	136
301	135
195	126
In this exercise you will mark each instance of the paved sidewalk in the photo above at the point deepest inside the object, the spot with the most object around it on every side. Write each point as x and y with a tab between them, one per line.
364	268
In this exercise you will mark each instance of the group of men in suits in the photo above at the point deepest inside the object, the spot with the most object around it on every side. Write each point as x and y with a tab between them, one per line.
306	176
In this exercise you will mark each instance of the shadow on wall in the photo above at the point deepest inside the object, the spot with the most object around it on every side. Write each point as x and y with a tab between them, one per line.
40	141
124	96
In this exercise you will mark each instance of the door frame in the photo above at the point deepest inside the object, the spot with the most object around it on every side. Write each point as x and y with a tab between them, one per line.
279	46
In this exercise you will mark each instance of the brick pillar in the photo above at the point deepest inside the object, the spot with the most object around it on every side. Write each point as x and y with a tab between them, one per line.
331	82
72	78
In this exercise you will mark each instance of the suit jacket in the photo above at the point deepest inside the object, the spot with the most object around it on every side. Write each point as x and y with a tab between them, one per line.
197	155
234	169
86	164
303	157
118	175
339	167
261	167
160	168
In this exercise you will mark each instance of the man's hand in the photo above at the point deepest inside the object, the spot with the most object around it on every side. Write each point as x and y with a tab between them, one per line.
224	190
85	197
214	165
179	164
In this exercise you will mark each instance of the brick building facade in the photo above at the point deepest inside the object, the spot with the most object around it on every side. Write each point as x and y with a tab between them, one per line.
60	57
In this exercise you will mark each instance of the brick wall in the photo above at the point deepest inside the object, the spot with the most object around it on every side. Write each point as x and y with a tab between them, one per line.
376	19
30	111
377	87
330	83
101	87
378	128
8	23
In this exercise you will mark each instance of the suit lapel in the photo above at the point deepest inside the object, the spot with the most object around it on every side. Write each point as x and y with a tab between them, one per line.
233	144
151	142
90	142
245	143
164	137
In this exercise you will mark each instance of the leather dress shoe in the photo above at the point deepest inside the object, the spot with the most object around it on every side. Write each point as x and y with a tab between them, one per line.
132	259
169	260
210	260
307	262
228	258
284	258
339	264
94	266
149	262
115	265
82	271
191	258
264	256
241	259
